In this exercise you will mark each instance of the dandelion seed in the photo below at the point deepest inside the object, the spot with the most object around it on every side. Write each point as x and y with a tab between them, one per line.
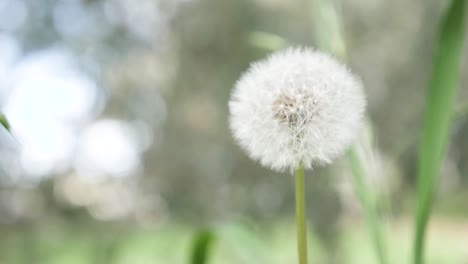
298	106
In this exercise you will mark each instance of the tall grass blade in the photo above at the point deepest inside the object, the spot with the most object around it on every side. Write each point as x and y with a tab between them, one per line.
438	117
4	122
331	39
266	40
201	247
362	190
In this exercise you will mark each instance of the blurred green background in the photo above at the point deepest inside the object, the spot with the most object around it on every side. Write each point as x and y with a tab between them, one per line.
120	149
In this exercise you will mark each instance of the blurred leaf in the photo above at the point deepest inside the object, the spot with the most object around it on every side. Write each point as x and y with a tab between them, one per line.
329	31
364	194
438	116
328	27
267	41
4	121
201	247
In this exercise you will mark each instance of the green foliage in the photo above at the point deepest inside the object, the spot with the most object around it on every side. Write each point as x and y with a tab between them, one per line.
202	245
438	117
330	38
370	210
266	40
4	121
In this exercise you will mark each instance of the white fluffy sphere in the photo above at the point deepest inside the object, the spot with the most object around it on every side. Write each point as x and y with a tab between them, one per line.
297	106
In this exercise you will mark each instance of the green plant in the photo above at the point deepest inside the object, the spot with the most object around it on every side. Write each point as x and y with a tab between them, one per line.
4	122
201	247
438	116
330	38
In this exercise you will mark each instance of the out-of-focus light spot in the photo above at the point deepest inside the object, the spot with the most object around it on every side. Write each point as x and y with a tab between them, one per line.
107	200
73	19
49	99
9	52
115	201
9	152
13	14
70	19
145	134
144	20
75	191
49	149
108	147
9	49
49	86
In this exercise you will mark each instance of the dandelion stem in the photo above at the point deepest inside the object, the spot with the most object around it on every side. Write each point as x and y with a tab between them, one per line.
300	216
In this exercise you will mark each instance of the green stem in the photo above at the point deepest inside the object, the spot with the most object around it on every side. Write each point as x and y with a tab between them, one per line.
369	209
300	216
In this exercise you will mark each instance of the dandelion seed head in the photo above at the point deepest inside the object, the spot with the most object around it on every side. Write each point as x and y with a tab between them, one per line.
296	106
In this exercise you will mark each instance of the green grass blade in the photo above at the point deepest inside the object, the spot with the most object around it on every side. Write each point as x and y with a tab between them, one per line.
266	40
328	28
201	247
370	210
438	117
4	122
330	38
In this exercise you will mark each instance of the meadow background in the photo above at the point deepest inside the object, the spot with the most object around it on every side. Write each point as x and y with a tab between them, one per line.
121	151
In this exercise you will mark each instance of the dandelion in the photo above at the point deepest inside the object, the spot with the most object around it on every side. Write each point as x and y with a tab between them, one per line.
299	108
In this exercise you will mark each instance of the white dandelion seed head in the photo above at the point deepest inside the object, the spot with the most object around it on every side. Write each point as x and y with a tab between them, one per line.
297	106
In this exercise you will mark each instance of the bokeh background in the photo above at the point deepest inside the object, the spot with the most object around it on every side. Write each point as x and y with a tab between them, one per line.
120	148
